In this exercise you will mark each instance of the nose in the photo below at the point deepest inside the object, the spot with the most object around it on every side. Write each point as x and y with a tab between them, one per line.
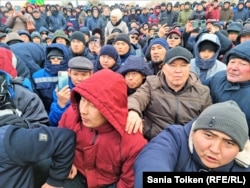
215	146
83	108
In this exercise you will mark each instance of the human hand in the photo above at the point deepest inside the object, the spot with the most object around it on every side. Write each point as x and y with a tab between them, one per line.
73	172
63	96
189	27
134	122
163	30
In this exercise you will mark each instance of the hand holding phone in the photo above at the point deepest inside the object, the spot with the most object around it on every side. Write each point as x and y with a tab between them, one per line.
17	8
63	79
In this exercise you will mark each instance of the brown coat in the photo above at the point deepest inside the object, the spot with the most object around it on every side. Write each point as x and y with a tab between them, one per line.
19	23
161	106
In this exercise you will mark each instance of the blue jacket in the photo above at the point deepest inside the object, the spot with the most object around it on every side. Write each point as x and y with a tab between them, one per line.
31	53
169	152
40	22
45	79
222	90
20	148
92	23
56	21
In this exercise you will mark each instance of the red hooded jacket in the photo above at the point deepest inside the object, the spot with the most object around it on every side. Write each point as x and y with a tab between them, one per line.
104	155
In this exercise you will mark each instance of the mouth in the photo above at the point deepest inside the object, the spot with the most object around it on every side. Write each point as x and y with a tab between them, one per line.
210	159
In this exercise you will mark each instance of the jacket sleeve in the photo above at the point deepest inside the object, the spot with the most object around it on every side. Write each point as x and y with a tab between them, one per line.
56	112
31	106
139	100
131	152
33	145
159	155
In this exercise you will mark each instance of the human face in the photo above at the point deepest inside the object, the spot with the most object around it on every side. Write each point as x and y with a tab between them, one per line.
92	46
134	79
173	40
106	61
55	60
36	40
226	5
44	35
114	19
206	54
48	42
121	47
176	74
157	53
78	76
134	39
91	117
238	70
25	38
214	148
77	46
232	35
61	41
244	38
36	15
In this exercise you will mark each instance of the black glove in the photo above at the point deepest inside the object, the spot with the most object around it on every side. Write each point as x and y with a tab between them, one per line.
13	119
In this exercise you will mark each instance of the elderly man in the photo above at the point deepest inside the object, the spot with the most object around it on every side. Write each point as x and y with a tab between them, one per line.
174	96
234	83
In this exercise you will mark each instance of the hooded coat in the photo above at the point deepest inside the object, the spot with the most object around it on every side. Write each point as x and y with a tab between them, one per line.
222	90
206	68
45	79
172	151
104	155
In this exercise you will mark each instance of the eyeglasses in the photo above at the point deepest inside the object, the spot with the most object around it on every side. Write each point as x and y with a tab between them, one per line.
44	33
173	37
136	38
55	57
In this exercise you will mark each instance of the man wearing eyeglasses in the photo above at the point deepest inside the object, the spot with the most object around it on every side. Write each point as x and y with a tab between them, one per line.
45	79
134	38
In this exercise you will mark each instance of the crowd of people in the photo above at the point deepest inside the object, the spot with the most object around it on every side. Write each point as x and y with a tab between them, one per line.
148	89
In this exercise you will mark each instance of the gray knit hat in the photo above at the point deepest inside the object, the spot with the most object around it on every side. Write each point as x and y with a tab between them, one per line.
178	52
225	117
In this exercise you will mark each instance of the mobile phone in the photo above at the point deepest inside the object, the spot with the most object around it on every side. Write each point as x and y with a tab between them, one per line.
199	23
17	8
63	79
97	42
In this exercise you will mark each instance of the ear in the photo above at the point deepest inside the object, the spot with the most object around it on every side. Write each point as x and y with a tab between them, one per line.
190	138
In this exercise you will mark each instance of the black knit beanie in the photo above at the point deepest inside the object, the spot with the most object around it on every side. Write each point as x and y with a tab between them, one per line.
110	51
207	45
122	37
78	35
